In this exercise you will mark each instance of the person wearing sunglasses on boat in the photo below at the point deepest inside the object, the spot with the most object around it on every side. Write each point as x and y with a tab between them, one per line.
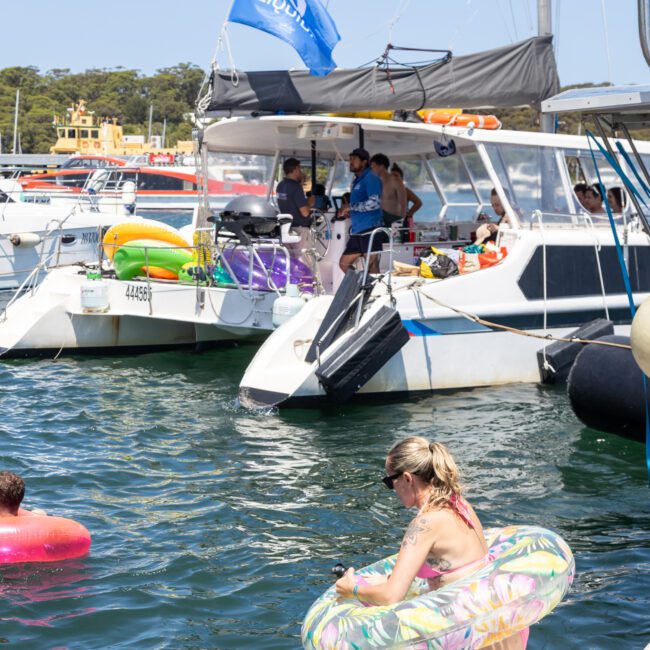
443	543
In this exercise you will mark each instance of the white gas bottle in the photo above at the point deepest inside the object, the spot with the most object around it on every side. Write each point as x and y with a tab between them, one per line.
94	293
287	306
128	196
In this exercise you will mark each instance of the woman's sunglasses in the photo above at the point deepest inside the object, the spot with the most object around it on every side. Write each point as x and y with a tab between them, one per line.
388	481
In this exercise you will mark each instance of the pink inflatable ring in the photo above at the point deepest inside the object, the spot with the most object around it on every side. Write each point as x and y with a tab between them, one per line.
40	538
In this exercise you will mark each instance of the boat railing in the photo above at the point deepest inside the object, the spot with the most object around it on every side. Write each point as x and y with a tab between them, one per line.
581	220
221	254
391	233
31	280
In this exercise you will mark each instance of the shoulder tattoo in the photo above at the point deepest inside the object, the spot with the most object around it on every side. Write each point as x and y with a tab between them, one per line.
416	527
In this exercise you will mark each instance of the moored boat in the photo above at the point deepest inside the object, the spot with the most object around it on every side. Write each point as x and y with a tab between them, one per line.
161	182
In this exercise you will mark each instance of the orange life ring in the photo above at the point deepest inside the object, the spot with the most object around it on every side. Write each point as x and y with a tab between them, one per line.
97	144
84	144
461	119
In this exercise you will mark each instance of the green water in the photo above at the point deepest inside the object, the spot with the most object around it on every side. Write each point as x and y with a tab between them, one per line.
216	528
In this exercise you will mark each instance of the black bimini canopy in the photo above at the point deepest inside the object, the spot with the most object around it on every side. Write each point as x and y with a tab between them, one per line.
517	75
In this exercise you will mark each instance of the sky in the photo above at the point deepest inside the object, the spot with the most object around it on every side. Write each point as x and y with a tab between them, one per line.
591	45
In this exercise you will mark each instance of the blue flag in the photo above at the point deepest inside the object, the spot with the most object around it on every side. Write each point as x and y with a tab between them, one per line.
304	24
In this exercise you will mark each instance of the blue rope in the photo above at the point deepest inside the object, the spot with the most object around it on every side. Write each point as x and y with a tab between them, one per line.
621	259
632	166
619	248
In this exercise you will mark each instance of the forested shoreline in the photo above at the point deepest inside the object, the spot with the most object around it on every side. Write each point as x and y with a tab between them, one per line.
120	93
127	95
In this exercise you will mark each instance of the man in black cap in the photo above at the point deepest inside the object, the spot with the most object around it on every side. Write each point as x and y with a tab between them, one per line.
365	213
292	200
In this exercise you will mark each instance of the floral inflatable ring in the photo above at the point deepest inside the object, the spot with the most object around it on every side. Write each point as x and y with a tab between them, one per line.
529	573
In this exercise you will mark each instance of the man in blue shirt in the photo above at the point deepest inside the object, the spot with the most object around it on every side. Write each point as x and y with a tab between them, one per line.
365	213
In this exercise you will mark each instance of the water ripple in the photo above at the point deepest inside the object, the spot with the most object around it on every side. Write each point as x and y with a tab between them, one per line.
216	527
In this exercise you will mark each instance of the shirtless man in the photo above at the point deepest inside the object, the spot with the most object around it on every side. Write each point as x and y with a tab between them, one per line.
393	196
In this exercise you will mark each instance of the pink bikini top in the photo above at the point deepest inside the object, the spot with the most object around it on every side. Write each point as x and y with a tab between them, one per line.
460	507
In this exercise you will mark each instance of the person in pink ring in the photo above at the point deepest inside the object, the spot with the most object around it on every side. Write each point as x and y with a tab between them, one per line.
443	543
12	492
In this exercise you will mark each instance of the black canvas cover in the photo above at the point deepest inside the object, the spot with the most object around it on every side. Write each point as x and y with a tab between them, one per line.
516	75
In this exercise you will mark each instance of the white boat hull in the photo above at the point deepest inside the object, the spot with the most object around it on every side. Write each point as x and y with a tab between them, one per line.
46	236
446	349
50	320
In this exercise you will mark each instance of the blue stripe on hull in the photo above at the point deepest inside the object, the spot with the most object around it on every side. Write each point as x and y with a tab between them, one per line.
460	325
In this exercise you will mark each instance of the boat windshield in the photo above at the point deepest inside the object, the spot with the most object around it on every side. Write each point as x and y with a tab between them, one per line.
240	169
531	178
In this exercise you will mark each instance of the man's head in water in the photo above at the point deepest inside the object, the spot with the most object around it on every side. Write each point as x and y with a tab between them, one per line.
12	491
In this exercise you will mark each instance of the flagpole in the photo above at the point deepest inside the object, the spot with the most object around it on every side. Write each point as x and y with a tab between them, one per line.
16	120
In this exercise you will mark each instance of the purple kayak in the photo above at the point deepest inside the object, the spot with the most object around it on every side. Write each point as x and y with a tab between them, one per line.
274	260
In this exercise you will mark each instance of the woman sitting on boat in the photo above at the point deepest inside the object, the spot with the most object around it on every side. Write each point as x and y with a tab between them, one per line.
445	540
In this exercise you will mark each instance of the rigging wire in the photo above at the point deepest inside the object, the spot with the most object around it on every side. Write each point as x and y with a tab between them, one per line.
556	30
463	22
609	61
399	12
504	21
529	20
514	22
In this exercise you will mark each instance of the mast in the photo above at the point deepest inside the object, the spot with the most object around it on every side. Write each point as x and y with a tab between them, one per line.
644	28
150	120
544	28
16	120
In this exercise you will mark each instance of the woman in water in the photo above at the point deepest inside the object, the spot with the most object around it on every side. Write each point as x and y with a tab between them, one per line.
445	540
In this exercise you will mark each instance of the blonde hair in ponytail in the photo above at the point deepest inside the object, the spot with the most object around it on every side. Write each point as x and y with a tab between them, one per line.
432	462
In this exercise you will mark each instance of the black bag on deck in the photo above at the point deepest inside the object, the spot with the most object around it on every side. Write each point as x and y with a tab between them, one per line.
435	264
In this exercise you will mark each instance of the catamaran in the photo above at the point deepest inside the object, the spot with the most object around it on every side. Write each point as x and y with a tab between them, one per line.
405	335
556	275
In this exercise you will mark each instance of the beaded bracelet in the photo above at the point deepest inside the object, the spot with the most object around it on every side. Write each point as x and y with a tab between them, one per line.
355	591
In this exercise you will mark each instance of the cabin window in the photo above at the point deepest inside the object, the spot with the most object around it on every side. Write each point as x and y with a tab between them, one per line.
94	133
460	197
61	133
159	182
572	272
72	180
582	170
72	133
83	133
416	178
260	165
530	177
482	182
